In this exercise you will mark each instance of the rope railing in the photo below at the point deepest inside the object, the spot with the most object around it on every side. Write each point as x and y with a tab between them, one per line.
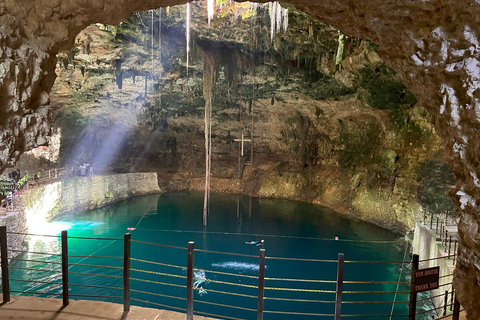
290	293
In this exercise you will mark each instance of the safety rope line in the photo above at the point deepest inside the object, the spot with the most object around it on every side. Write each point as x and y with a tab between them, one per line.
234	294
34	252
445	284
398	284
431	297
96	275
301	313
300	259
153	200
229	274
374	302
378	262
39	261
34	269
158	294
374	315
93	286
233	284
298	300
301	280
225	305
300	290
35	292
271	236
375	292
95	257
158	282
33	234
159	304
446	275
35	281
94	296
438	258
157	263
227	253
158	245
159	273
376	282
95	266
213	315
90	238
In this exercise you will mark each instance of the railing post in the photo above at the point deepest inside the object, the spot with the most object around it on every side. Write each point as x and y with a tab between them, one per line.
456	310
4	261
49	175
446	240
261	284
445	304
338	298
56	173
412	306
190	256
436	226
126	272
65	268
431	220
449	246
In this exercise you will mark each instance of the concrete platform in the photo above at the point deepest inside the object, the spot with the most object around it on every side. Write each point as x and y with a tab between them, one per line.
32	308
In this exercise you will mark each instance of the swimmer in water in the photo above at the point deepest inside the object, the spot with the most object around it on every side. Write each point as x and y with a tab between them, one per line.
202	291
257	243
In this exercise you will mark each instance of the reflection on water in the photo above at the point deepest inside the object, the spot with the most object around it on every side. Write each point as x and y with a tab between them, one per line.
290	229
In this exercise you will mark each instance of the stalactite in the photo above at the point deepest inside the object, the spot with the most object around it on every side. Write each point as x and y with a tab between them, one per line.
209	67
187	31
210	10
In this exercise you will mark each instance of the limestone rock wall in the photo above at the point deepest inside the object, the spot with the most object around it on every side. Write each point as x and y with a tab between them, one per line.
71	195
433	45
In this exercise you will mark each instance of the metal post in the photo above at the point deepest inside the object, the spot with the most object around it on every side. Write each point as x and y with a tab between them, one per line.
261	283
446	237
126	272
431	220
190	256
412	307
338	298
445	303
65	268
4	261
452	295
449	245
436	226
456	310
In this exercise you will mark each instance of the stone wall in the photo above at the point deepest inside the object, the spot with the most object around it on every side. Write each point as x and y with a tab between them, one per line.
81	193
425	245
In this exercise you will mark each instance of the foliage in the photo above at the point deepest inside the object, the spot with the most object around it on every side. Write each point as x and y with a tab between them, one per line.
384	88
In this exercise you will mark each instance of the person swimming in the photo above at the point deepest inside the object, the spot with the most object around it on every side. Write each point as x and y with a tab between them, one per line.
257	243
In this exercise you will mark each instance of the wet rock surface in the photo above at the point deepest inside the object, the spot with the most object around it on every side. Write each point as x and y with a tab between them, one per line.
432	45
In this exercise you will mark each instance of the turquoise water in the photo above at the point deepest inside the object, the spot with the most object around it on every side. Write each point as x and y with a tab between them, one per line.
290	230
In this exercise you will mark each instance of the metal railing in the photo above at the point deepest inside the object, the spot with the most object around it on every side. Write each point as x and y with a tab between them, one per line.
129	278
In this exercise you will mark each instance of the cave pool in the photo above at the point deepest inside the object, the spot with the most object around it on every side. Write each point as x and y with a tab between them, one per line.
290	229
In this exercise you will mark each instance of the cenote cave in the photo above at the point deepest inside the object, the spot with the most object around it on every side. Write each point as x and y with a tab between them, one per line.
153	143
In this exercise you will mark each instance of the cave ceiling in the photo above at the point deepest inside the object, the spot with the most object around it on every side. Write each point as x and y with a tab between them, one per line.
432	45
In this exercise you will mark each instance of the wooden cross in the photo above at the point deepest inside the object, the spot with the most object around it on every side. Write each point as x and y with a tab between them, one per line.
242	141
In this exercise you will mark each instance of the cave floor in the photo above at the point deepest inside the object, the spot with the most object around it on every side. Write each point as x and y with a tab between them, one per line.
32	308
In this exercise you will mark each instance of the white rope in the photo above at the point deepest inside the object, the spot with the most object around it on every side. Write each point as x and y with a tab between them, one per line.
398	283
